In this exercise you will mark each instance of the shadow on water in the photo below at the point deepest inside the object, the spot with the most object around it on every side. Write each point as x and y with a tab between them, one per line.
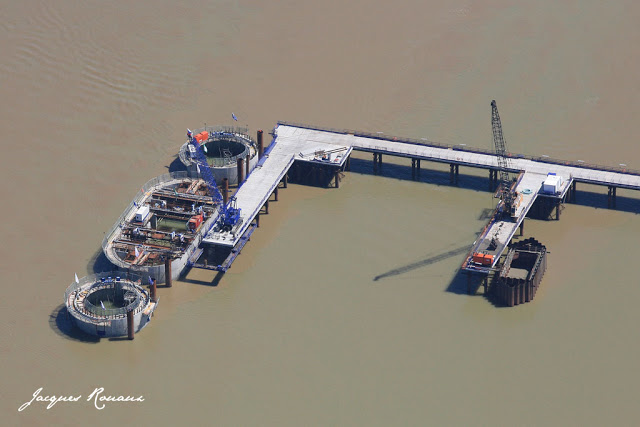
423	263
61	323
486	214
214	282
458	284
599	201
475	182
99	263
176	165
431	176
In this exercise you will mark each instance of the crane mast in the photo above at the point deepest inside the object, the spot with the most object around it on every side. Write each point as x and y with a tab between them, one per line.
229	213
506	196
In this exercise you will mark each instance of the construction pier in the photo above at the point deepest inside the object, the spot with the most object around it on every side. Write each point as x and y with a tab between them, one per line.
186	219
316	155
323	158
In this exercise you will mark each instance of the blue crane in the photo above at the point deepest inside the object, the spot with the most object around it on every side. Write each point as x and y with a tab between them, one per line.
229	213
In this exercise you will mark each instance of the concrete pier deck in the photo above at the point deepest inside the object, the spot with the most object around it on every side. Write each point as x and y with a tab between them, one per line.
294	142
289	144
619	177
500	232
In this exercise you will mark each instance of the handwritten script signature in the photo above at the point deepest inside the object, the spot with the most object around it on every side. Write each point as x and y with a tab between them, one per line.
97	396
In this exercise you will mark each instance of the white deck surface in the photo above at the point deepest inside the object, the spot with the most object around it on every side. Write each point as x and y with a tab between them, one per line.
448	155
257	189
503	230
291	141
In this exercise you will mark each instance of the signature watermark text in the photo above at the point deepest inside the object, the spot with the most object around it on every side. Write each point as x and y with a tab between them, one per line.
97	397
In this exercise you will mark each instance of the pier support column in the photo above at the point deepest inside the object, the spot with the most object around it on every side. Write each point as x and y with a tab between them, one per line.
451	173
493	179
337	178
457	172
285	178
153	291
225	191
522	228
247	160
379	162
573	192
258	221
349	162
266	207
558	210
611	200
130	325
260	145
418	168
167	272
275	193
375	163
240	164
485	284
413	169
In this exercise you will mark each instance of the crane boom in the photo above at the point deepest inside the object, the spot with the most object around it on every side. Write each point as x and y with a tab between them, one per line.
503	160
229	213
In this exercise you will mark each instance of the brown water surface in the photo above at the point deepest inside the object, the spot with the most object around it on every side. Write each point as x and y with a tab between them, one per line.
96	97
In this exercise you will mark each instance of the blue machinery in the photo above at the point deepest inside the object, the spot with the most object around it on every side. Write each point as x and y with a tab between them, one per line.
229	214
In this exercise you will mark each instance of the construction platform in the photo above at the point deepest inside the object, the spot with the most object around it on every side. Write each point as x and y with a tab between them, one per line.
495	237
332	147
164	223
289	144
462	155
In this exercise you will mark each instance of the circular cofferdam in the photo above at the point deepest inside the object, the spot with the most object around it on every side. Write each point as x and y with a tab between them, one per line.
223	148
109	305
218	150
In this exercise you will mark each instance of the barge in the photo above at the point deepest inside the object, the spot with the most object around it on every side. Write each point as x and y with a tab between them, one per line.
160	232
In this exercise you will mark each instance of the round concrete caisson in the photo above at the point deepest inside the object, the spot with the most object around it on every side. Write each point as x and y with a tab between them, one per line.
222	146
99	304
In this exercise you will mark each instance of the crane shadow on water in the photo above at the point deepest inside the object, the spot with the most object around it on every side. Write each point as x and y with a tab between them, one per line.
423	263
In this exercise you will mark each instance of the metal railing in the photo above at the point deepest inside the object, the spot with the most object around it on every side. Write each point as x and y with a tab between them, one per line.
126	280
459	147
138	198
225	133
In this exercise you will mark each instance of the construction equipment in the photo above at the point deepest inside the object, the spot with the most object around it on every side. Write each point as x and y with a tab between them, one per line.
229	214
506	195
232	215
194	222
